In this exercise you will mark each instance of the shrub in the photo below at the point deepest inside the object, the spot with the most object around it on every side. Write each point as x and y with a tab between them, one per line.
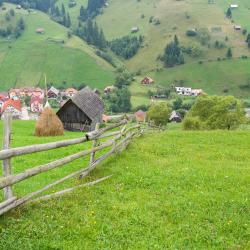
192	123
191	33
49	124
218	112
159	113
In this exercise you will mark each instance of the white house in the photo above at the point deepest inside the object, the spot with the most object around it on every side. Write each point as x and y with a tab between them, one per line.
183	91
196	92
234	6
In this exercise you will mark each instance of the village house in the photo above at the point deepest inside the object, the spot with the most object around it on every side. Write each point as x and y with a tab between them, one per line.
135	29
237	27
175	117
147	80
140	116
14	94
183	91
40	31
234	6
36	104
14	107
53	93
196	92
82	111
70	92
3	98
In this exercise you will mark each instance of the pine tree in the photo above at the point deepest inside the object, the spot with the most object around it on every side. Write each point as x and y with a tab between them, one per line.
248	38
63	10
229	13
229	53
68	21
176	40
20	24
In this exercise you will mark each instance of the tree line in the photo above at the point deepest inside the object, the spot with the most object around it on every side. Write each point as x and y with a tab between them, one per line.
93	9
60	16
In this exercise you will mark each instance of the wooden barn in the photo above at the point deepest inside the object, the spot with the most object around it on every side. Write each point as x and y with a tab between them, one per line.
82	111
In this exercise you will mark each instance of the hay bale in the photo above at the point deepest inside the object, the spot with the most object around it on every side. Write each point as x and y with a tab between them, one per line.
49	124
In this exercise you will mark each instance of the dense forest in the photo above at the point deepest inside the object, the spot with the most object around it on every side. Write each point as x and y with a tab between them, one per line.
43	5
127	46
92	34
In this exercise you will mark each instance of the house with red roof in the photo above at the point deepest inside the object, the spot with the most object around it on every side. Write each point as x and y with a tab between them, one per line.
14	107
140	116
36	104
147	80
3	98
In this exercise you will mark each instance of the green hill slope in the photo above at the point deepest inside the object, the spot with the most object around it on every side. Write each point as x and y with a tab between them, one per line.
176	17
23	62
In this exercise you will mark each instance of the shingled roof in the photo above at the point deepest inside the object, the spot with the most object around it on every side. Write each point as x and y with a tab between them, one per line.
89	102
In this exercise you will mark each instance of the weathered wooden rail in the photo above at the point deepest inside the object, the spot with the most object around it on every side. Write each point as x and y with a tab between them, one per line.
120	138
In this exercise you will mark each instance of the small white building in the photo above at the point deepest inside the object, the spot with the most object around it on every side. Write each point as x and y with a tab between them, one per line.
186	91
196	92
234	6
183	91
135	29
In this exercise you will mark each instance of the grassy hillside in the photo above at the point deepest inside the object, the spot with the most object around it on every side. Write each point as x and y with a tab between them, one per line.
176	17
170	190
26	60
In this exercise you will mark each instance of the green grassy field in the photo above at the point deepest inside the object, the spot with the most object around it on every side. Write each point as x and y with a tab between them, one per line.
169	190
25	61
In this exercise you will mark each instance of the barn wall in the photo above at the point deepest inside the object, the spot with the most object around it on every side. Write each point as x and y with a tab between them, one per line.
73	118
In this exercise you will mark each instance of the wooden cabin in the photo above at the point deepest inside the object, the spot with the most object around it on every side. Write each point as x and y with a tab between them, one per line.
82	111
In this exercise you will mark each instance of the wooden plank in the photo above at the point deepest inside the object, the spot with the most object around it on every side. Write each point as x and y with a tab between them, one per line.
95	134
7	202
10	180
59	193
5	154
82	173
6	165
95	142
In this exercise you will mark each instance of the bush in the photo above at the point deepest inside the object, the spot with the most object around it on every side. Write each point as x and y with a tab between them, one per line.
218	112
159	113
192	123
191	33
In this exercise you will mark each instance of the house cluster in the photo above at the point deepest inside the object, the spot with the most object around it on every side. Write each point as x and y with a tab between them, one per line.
186	91
27	103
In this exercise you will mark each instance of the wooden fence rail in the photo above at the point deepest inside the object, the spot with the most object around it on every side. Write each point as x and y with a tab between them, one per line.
118	142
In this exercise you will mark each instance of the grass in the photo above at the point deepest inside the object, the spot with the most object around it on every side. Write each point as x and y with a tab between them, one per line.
169	190
24	62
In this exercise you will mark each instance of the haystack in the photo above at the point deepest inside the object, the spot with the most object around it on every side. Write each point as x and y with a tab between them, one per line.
49	124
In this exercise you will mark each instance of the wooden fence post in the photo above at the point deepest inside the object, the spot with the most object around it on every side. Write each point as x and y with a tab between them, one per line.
8	194
95	142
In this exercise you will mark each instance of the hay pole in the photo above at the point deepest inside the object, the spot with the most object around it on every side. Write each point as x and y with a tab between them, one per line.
12	179
59	193
6	165
8	153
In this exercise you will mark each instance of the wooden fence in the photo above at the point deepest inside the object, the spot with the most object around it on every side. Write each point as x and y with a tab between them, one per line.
121	134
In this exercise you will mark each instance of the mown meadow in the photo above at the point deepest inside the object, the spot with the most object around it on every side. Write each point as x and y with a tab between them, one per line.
169	190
